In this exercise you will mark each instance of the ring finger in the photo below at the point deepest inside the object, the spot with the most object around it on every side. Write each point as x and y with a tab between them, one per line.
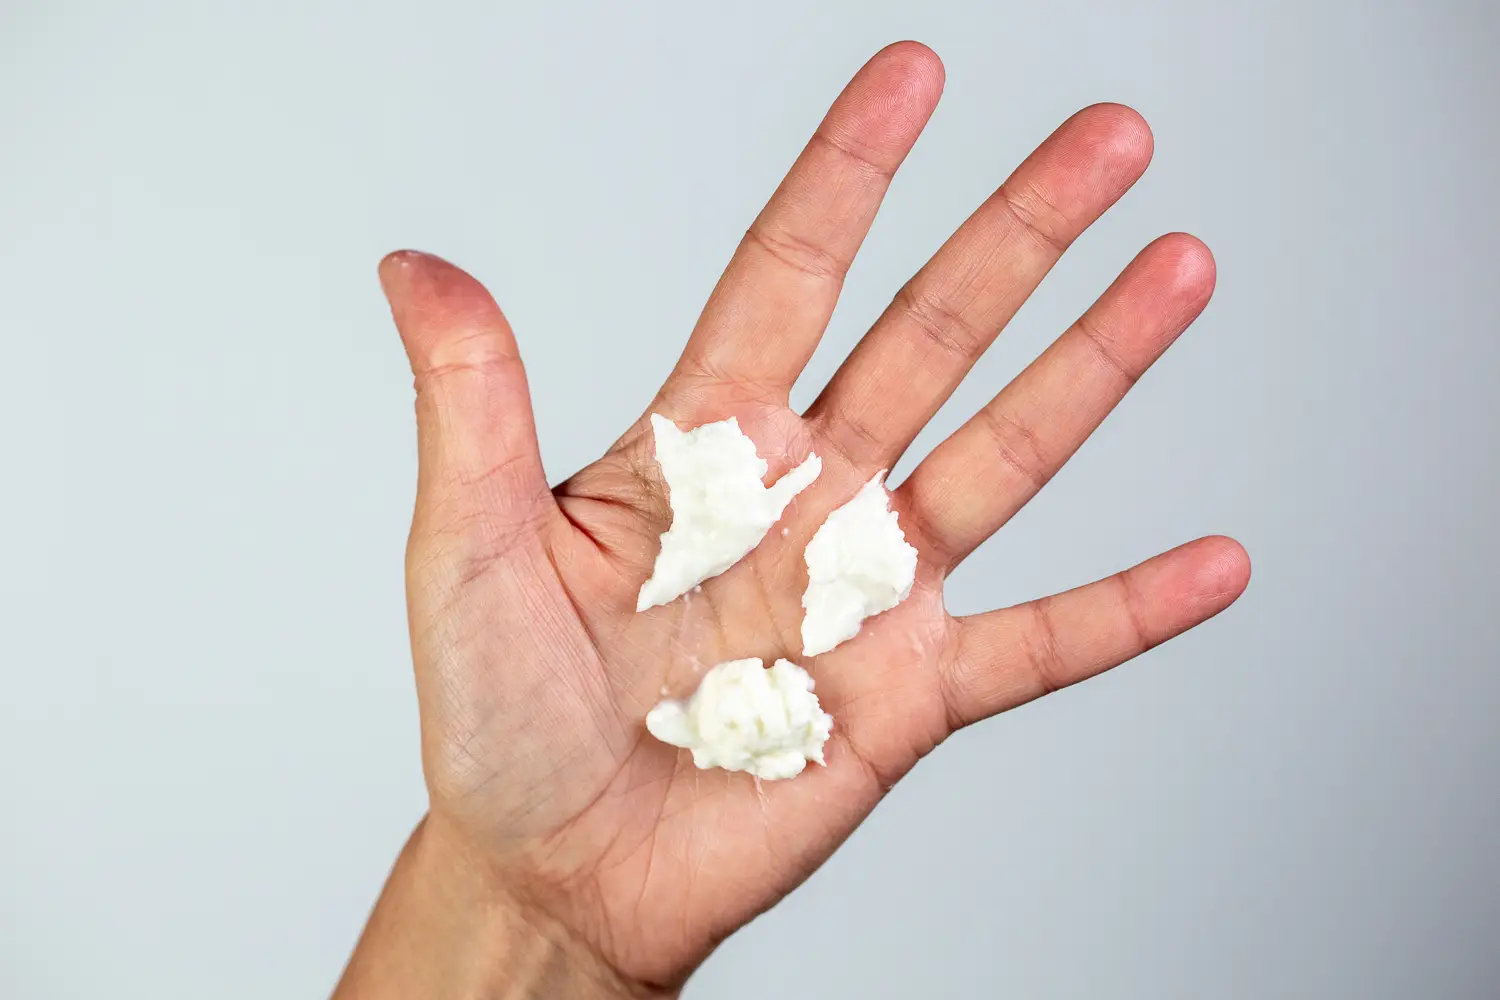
990	467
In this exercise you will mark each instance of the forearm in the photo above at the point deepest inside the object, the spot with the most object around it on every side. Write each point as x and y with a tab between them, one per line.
442	931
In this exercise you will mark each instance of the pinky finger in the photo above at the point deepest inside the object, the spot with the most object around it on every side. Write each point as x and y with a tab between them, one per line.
1008	657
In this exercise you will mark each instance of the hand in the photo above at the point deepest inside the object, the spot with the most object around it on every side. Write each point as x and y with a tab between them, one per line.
555	820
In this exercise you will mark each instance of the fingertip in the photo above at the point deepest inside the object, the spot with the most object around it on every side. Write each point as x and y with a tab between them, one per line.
439	309
917	62
398	271
1190	262
903	80
399	260
1223	569
416	273
392	270
399	268
1132	133
1091	159
880	113
1121	132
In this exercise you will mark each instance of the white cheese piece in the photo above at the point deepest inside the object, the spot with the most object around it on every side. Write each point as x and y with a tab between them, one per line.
720	508
744	717
858	564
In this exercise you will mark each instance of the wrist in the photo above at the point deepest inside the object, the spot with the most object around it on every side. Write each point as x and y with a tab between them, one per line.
446	927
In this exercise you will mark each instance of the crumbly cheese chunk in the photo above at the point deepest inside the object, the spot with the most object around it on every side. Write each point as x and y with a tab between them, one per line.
721	509
858	564
745	717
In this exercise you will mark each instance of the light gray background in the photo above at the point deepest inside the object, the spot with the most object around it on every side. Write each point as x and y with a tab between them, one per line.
207	728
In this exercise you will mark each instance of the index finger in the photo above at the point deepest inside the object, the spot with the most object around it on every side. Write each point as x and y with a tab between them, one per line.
768	311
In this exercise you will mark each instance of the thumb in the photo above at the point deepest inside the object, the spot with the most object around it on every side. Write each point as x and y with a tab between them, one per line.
479	469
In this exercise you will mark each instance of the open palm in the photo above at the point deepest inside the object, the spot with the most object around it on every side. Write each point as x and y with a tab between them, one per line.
534	670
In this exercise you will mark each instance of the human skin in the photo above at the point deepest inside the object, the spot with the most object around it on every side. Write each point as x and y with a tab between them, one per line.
566	853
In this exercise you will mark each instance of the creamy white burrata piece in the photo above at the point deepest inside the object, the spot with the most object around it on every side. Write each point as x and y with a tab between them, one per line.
858	564
745	717
721	509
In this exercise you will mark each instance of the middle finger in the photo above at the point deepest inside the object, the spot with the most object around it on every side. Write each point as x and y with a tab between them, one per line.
953	308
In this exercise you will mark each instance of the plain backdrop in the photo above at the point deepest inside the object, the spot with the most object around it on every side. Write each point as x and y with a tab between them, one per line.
208	751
